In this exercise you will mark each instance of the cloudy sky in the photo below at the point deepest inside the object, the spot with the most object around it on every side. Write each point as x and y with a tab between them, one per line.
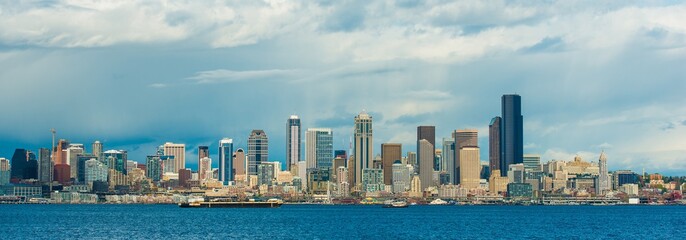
592	74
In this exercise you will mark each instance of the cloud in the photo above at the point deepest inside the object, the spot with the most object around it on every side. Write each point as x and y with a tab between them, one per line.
188	71
546	45
224	75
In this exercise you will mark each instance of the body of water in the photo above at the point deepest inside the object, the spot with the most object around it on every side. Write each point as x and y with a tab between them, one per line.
342	222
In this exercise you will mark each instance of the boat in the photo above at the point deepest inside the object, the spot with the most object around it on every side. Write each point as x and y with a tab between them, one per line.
395	204
271	203
438	201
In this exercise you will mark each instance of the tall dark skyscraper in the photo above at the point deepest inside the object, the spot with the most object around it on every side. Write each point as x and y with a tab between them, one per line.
258	151
494	144
18	164
512	132
427	133
31	168
293	141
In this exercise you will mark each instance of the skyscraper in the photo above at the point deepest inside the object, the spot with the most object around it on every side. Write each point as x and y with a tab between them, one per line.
72	153
226	171
603	176
470	167
258	150
179	153
319	149
425	156
512	132
115	159
449	158
363	146
239	162
44	165
97	149
293	141
154	168
463	138
401	177
390	153
205	168
19	162
427	133
95	170
81	166
203	152
494	144
31	169
59	155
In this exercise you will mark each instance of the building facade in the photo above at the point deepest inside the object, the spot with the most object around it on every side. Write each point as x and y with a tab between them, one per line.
179	152
239	160
363	146
448	159
390	153
512	131
470	167
532	162
226	171
425	156
44	165
463	138
319	149
494	143
258	150
293	141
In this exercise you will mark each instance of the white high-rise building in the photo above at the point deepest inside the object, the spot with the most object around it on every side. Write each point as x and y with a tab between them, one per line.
603	175
401	177
205	169
293	141
179	153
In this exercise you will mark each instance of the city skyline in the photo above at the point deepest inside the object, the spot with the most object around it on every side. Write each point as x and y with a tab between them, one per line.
593	76
97	145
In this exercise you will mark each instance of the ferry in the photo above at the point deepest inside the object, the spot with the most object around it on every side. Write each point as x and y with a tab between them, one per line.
438	201
271	203
395	204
